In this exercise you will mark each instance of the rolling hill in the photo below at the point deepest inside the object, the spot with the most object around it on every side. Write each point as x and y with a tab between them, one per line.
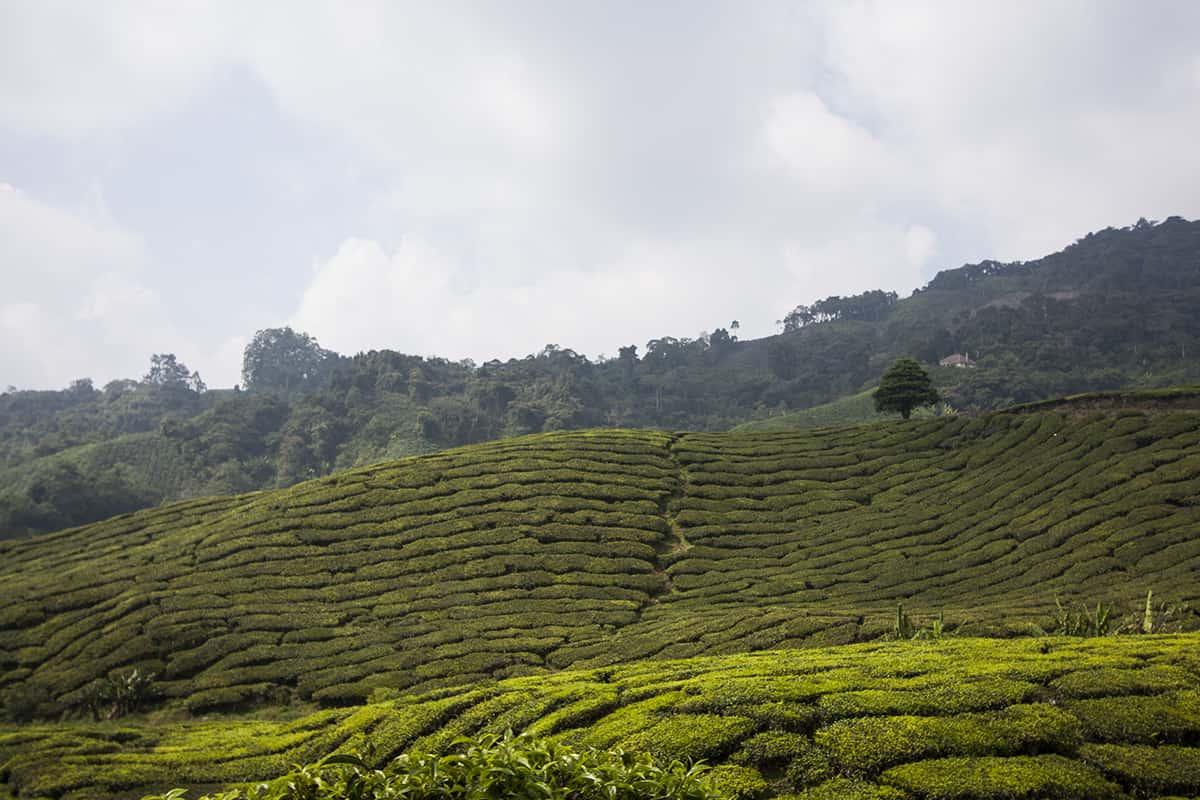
585	549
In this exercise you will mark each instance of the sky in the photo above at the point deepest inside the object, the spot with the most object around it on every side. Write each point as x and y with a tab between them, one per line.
478	180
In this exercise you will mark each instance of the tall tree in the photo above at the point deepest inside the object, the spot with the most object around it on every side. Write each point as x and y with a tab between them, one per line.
168	371
283	360
905	386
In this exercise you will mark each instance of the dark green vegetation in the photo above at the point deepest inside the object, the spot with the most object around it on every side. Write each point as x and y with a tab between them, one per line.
1116	309
959	718
850	410
529	555
906	386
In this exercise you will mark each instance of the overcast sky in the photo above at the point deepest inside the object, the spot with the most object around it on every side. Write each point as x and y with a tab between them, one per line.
479	180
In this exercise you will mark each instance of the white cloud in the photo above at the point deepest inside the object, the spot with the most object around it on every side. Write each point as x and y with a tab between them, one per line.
824	150
920	245
508	93
880	256
585	176
69	70
408	299
75	304
1033	123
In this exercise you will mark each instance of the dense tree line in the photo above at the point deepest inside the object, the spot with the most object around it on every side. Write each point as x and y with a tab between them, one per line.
1117	308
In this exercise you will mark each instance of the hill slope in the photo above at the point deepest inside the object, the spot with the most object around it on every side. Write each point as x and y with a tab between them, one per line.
1115	309
534	554
955	719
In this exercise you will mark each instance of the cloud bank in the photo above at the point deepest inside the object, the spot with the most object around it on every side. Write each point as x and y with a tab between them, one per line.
475	181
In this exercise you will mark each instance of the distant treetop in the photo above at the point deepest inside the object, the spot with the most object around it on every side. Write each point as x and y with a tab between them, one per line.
284	361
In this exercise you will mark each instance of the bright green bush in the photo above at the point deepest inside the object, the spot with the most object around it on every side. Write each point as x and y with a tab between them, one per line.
772	748
691	737
869	744
811	767
1150	770
842	788
989	778
1171	717
490	767
737	783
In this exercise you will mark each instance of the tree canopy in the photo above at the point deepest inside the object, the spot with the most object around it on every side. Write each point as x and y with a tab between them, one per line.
905	386
283	360
168	372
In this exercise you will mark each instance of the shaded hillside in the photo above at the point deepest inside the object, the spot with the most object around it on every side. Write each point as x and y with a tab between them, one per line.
969	719
860	408
540	553
1115	309
850	410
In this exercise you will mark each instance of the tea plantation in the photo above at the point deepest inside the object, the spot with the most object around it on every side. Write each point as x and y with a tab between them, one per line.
397	588
1085	719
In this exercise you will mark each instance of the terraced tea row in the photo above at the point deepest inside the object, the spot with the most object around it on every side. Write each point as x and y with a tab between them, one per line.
969	718
973	515
443	567
536	554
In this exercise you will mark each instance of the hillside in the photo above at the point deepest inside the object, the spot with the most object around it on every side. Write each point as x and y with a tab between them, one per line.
534	554
956	719
1116	309
850	410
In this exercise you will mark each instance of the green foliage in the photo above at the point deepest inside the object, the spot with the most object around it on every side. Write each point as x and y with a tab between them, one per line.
1099	621
904	387
902	625
1002	779
869	744
26	701
1166	717
169	373
1163	770
842	788
772	748
737	783
595	548
285	361
491	766
851	410
115	696
967	718
811	767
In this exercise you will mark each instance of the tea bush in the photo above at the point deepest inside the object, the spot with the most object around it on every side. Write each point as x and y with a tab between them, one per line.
490	767
584	549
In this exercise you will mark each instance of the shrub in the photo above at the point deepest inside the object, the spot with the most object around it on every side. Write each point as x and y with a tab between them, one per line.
810	767
1170	717
113	697
1151	770
772	748
872	743
737	783
841	788
490	767
1002	779
27	701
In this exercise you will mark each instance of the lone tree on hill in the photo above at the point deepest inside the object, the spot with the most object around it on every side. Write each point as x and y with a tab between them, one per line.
284	360
903	387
